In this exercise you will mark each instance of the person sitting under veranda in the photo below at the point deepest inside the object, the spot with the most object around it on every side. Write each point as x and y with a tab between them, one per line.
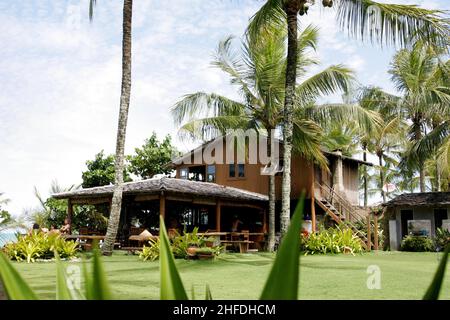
235	224
65	229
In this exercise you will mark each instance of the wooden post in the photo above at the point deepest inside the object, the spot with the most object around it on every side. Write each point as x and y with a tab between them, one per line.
375	231
70	214
218	215
313	204
264	221
369	235
162	205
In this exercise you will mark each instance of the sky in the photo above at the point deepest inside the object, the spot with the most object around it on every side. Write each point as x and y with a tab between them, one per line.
60	77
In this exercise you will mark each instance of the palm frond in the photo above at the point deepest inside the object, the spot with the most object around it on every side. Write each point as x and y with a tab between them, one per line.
270	14
333	79
366	120
307	139
391	24
193	105
209	128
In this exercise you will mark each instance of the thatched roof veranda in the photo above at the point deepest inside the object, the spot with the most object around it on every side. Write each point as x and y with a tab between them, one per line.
422	199
168	186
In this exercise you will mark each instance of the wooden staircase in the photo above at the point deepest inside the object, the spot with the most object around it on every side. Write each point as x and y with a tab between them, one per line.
340	210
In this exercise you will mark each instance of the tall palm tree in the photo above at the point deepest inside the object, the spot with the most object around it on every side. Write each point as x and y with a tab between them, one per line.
259	74
385	23
116	204
437	143
374	99
422	79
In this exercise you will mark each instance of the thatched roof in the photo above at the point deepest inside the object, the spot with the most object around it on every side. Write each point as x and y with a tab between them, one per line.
422	199
168	186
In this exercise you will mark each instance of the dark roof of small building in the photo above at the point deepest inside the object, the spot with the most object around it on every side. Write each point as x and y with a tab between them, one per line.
420	199
168	185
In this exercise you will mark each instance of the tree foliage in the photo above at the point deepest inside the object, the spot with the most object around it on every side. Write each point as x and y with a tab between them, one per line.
100	171
153	157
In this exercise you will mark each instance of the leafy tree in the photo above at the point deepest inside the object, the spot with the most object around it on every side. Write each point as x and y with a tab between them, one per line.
5	216
101	171
389	24
153	157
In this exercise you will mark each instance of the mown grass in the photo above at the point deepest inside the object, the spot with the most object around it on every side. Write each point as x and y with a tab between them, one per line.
235	276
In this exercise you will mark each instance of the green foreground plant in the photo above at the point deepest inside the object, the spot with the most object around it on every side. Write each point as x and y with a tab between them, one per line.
282	282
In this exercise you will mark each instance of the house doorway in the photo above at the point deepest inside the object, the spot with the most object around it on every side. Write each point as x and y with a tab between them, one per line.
439	215
405	215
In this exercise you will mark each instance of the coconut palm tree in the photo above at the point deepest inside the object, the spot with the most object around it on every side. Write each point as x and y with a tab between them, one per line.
259	74
385	23
437	143
116	204
422	78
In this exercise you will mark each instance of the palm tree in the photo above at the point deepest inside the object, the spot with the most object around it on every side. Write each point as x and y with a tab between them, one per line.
437	143
423	81
259	74
116	204
386	23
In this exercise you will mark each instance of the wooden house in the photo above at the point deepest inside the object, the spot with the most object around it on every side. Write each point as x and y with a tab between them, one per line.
209	195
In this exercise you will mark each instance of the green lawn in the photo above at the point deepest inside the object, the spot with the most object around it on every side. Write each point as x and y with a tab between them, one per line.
235	276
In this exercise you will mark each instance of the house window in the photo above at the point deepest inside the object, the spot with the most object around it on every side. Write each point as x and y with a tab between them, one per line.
241	170
232	170
211	173
236	170
184	173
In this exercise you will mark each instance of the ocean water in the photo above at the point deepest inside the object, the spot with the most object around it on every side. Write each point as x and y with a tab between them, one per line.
7	236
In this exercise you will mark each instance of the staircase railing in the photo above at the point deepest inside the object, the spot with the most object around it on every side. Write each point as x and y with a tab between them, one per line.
345	208
346	212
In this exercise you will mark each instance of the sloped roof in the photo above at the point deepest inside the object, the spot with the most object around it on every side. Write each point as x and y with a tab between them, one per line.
420	199
327	152
168	185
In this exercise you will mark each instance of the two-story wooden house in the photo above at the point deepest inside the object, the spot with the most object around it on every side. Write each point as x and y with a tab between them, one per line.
210	194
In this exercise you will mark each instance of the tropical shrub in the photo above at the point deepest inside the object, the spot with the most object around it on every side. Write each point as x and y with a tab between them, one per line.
39	245
442	239
417	244
331	240
150	252
180	245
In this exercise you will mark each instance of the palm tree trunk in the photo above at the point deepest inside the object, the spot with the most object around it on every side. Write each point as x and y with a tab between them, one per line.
116	205
380	161
291	75
438	177
271	239
366	192
417	136
422	177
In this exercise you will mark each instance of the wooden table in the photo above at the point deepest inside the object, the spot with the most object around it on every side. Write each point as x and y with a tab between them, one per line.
243	244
